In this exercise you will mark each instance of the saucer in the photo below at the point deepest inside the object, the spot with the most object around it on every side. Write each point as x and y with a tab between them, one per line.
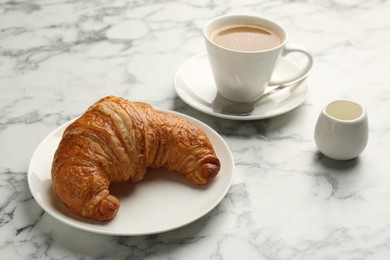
194	84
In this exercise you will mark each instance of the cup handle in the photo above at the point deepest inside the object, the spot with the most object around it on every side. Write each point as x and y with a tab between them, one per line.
303	73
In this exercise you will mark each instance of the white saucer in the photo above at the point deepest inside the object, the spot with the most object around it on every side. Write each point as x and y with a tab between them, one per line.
195	85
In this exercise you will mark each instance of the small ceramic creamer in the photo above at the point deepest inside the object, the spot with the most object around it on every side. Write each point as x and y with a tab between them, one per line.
341	131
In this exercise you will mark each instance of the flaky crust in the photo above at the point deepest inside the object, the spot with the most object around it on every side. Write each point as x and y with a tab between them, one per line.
116	141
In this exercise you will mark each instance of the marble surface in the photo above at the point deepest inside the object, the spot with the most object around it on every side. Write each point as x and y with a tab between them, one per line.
287	201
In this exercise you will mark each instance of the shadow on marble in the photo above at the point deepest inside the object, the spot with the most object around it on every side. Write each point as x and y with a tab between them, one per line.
69	240
336	164
344	177
54	239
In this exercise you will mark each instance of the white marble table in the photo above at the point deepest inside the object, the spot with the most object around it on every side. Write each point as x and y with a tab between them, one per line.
286	201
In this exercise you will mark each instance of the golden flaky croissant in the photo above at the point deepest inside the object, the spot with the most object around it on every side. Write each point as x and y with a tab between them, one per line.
115	141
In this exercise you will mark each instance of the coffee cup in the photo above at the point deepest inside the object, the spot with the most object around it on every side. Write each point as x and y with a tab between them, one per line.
243	52
341	131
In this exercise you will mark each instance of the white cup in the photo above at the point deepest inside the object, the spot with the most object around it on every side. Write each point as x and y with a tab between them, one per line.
243	76
341	132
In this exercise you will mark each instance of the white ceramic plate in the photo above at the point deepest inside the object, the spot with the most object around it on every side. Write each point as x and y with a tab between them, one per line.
161	202
195	85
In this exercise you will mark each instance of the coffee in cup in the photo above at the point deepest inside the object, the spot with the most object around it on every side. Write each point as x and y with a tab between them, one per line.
245	38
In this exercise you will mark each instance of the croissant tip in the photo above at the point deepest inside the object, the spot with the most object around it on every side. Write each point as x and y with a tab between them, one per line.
108	208
210	170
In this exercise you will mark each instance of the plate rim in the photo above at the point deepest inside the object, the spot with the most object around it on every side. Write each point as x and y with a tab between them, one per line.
179	91
79	225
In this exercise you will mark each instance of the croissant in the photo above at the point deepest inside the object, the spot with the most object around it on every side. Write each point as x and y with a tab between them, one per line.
116	140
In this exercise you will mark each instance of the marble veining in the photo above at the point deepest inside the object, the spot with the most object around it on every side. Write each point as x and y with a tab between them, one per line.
287	201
